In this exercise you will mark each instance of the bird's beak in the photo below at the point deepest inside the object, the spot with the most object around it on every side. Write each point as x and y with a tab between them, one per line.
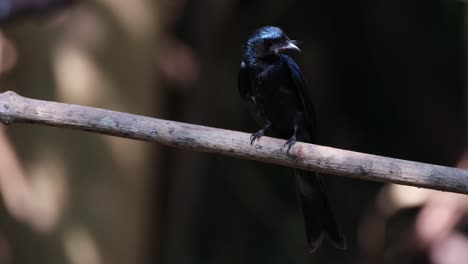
291	45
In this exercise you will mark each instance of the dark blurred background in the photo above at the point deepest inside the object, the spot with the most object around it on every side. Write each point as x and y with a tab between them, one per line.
387	78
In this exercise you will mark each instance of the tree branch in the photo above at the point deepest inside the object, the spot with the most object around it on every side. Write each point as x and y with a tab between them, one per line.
18	109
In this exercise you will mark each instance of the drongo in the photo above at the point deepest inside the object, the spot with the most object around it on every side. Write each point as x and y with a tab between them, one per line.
271	84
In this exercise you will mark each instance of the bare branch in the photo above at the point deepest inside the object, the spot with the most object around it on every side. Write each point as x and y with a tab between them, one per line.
18	109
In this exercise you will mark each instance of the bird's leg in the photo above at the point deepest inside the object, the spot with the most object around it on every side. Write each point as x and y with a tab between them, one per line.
257	135
290	142
298	123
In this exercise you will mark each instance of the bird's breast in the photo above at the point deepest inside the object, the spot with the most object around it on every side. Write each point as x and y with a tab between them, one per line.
275	96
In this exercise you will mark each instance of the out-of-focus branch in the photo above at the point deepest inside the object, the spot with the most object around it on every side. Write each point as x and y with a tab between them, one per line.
18	109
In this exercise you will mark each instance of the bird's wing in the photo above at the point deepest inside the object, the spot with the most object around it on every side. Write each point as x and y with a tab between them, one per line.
243	83
245	90
301	89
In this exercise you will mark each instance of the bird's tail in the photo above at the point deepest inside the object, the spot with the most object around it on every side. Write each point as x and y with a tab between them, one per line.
318	218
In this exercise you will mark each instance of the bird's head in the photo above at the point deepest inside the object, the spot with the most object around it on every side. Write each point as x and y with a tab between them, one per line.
268	41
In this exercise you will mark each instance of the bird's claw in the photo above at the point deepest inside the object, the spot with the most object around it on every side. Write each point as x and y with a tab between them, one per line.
290	143
256	136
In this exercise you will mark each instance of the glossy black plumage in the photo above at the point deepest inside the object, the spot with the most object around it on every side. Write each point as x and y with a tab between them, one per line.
272	85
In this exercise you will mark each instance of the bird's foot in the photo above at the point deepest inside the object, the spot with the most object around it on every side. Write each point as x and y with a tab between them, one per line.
290	143
256	136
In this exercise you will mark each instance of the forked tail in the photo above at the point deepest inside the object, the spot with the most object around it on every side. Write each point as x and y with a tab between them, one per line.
318	217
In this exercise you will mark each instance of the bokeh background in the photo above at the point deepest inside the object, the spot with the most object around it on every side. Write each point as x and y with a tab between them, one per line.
387	77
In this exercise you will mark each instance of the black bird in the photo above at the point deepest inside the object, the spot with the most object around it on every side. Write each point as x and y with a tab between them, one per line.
272	85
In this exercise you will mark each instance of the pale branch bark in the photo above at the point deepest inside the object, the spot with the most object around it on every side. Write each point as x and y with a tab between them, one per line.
18	109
